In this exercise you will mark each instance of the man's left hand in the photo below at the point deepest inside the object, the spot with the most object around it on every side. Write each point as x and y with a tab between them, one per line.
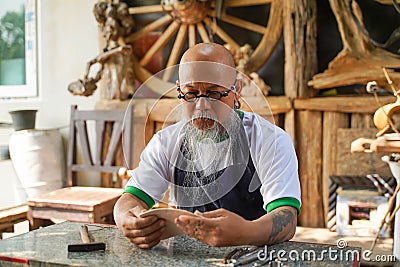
215	228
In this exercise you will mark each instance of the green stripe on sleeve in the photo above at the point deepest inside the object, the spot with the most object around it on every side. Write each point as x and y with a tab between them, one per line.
285	201
241	114
140	194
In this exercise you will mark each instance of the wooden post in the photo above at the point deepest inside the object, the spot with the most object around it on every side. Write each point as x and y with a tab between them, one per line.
309	141
300	35
332	121
290	124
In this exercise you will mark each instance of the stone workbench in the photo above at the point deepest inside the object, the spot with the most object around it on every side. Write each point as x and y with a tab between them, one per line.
48	247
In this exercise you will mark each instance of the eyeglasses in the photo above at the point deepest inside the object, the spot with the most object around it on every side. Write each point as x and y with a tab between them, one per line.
211	95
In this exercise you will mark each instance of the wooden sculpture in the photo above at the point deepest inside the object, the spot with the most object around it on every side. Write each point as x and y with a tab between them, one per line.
361	59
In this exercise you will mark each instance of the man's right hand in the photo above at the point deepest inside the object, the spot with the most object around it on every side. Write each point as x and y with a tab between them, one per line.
143	232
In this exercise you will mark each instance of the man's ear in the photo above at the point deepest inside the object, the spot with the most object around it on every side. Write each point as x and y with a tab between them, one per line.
238	87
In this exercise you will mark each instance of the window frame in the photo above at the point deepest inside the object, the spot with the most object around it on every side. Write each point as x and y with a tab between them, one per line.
30	88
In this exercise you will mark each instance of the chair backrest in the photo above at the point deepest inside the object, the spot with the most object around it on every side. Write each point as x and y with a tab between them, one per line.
105	152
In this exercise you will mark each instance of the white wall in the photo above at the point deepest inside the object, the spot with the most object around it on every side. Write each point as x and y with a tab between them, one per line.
67	39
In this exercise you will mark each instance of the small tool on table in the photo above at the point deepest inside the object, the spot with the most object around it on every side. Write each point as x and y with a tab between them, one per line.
87	244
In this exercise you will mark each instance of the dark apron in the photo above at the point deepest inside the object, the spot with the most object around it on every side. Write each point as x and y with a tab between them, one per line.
239	200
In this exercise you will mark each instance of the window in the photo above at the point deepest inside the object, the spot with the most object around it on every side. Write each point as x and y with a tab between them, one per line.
18	48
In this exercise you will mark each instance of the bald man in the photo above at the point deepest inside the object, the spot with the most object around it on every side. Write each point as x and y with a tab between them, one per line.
236	171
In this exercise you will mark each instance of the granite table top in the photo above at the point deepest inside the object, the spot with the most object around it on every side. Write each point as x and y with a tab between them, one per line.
48	247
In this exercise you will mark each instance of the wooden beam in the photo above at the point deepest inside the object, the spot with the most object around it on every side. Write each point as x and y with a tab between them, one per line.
346	104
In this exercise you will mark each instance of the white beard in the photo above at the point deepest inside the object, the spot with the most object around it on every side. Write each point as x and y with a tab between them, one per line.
205	153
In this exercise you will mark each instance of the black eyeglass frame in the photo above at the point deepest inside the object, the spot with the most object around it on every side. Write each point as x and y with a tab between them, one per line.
207	96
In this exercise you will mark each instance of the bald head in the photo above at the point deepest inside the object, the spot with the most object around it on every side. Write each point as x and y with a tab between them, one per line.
207	62
209	52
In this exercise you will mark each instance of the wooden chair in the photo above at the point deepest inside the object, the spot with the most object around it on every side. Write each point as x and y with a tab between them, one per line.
88	204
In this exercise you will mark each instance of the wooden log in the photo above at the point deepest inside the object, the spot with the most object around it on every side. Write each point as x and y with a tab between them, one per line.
300	32
345	104
332	121
309	149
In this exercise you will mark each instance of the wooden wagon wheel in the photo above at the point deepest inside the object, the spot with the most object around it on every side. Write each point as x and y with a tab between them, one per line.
195	21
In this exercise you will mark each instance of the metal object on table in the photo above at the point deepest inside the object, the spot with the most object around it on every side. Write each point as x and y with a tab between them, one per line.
257	256
236	253
87	244
247	258
268	262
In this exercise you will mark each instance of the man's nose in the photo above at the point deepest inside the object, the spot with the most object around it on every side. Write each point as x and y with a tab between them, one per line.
203	103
